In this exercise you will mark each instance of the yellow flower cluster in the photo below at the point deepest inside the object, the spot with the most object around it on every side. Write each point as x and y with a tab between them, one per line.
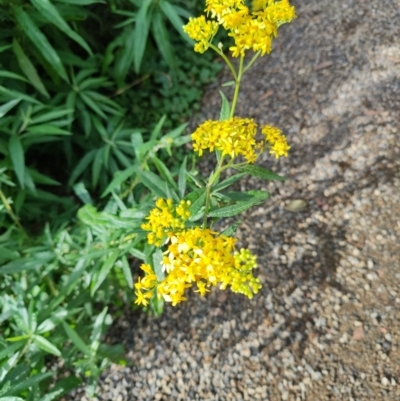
164	218
200	257
277	141
237	137
202	31
250	30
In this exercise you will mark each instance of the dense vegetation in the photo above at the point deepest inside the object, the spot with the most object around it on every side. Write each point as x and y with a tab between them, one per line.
93	97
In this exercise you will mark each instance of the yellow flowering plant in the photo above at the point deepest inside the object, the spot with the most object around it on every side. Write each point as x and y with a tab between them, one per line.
183	250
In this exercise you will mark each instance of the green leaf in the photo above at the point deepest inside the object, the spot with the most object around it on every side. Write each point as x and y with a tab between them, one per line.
11	399
76	339
46	129
229	83
260	172
164	172
6	107
18	158
17	95
51	14
229	231
141	32
157	129
157	264
40	178
197	205
154	183
30	382
162	39
172	14
105	270
81	2
92	104
225	108
119	177
182	178
98	325
29	69
40	41
233	210
228	182
12	75
11	349
82	193
51	115
82	166
97	166
127	272
46	345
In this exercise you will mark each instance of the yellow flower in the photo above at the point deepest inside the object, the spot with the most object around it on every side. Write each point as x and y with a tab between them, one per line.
165	217
276	140
201	31
202	288
254	30
141	299
233	137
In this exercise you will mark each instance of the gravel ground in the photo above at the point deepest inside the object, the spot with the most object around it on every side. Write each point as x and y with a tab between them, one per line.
326	324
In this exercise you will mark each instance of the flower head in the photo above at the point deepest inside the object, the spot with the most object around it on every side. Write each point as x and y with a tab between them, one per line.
250	30
277	141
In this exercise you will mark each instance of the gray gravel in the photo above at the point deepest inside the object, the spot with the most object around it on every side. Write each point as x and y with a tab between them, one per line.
326	323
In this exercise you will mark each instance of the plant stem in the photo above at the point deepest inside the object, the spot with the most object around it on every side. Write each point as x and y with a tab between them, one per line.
227	61
208	189
255	57
237	87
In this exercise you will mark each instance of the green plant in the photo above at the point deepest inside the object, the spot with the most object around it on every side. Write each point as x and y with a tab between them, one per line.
61	279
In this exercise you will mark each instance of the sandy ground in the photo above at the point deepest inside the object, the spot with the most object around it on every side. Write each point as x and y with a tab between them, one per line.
325	325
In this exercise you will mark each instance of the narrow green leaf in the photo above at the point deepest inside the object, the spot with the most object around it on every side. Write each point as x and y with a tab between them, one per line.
105	270
97	166
46	345
229	231
127	272
225	108
40	41
51	14
260	172
182	178
228	182
6	107
11	349
82	165
28	68
137	254
173	16
30	382
119	177
92	104
98	324
197	204
12	75
82	193
76	339
141	32
162	39
46	129
154	183
8	398
18	158
164	172
157	129
81	2
229	83
233	210
51	115
157	264
17	95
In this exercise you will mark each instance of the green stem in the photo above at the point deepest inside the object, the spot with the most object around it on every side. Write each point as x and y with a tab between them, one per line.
237	87
226	59
252	61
